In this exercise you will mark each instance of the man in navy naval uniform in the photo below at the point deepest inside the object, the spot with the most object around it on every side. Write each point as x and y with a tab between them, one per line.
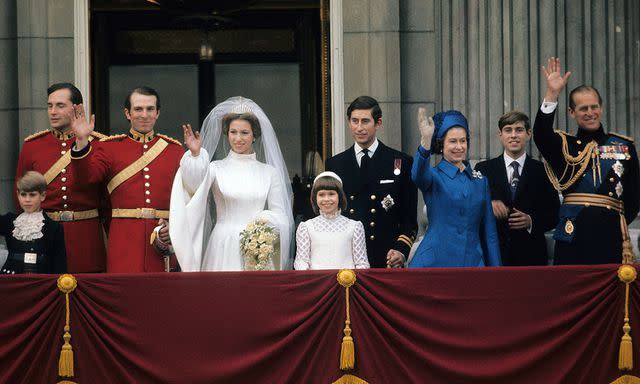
377	182
596	172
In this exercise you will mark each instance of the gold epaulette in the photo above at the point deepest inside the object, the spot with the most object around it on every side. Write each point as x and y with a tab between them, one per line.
36	135
563	133
98	135
170	139
113	137
630	139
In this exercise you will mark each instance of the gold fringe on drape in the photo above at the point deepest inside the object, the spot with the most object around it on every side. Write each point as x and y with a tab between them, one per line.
66	284
626	379
349	379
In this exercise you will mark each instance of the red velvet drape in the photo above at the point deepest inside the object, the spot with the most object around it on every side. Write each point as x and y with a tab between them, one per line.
491	325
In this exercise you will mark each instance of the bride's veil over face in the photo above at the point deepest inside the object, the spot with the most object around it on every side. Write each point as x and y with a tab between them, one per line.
266	147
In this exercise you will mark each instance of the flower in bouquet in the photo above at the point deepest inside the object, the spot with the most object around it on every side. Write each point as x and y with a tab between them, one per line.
258	244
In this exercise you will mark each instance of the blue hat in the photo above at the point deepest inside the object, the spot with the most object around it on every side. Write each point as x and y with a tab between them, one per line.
444	121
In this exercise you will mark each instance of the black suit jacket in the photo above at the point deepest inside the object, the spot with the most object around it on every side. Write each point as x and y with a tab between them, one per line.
536	197
391	228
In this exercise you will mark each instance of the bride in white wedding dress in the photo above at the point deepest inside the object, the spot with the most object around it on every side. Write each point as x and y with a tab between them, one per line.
243	188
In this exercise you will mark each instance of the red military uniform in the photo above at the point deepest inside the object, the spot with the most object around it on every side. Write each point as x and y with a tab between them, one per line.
74	203
138	201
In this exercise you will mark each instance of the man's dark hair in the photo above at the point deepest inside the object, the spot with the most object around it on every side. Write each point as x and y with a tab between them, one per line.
76	96
366	102
580	89
143	90
513	117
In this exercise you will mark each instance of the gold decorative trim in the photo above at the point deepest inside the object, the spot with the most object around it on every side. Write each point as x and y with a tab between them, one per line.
66	284
627	274
346	278
325	83
137	165
349	379
114	137
170	139
36	135
141	137
82	156
627	379
55	169
98	135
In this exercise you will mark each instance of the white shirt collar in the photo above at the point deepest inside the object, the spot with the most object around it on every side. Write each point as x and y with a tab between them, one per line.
372	148
508	160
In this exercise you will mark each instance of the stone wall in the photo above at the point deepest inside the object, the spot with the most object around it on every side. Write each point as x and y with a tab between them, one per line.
36	41
484	56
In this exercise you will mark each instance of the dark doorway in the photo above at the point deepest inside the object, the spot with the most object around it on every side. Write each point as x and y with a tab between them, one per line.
197	53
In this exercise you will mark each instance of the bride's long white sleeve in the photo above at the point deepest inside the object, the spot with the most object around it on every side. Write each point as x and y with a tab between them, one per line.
193	170
188	209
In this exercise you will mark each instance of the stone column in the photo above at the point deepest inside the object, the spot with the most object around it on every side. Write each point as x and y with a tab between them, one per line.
372	61
45	56
8	102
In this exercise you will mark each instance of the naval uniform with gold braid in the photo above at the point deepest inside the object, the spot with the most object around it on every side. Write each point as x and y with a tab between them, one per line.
72	202
139	193
385	201
598	175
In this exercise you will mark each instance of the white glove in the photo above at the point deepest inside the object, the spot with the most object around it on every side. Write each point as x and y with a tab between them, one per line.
426	126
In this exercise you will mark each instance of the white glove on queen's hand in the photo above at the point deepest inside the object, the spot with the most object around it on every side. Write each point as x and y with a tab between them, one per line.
426	126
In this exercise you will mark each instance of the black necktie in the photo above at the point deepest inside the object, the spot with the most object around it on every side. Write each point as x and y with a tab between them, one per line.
364	162
515	178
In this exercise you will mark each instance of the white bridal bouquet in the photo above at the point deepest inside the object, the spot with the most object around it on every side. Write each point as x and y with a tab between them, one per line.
258	243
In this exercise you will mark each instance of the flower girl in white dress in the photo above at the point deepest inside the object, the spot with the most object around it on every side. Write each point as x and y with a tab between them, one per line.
330	240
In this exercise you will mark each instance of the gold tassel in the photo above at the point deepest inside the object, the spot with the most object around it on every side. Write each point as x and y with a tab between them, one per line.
347	353
626	274
66	284
625	358
65	364
347	278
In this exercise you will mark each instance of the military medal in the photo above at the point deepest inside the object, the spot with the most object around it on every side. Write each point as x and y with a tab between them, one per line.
614	152
397	166
619	189
568	227
618	168
387	202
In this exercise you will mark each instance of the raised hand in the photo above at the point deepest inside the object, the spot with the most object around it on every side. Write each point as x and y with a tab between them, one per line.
426	126
81	127
556	81
192	140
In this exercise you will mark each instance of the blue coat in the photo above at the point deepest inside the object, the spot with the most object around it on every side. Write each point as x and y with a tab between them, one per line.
462	228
